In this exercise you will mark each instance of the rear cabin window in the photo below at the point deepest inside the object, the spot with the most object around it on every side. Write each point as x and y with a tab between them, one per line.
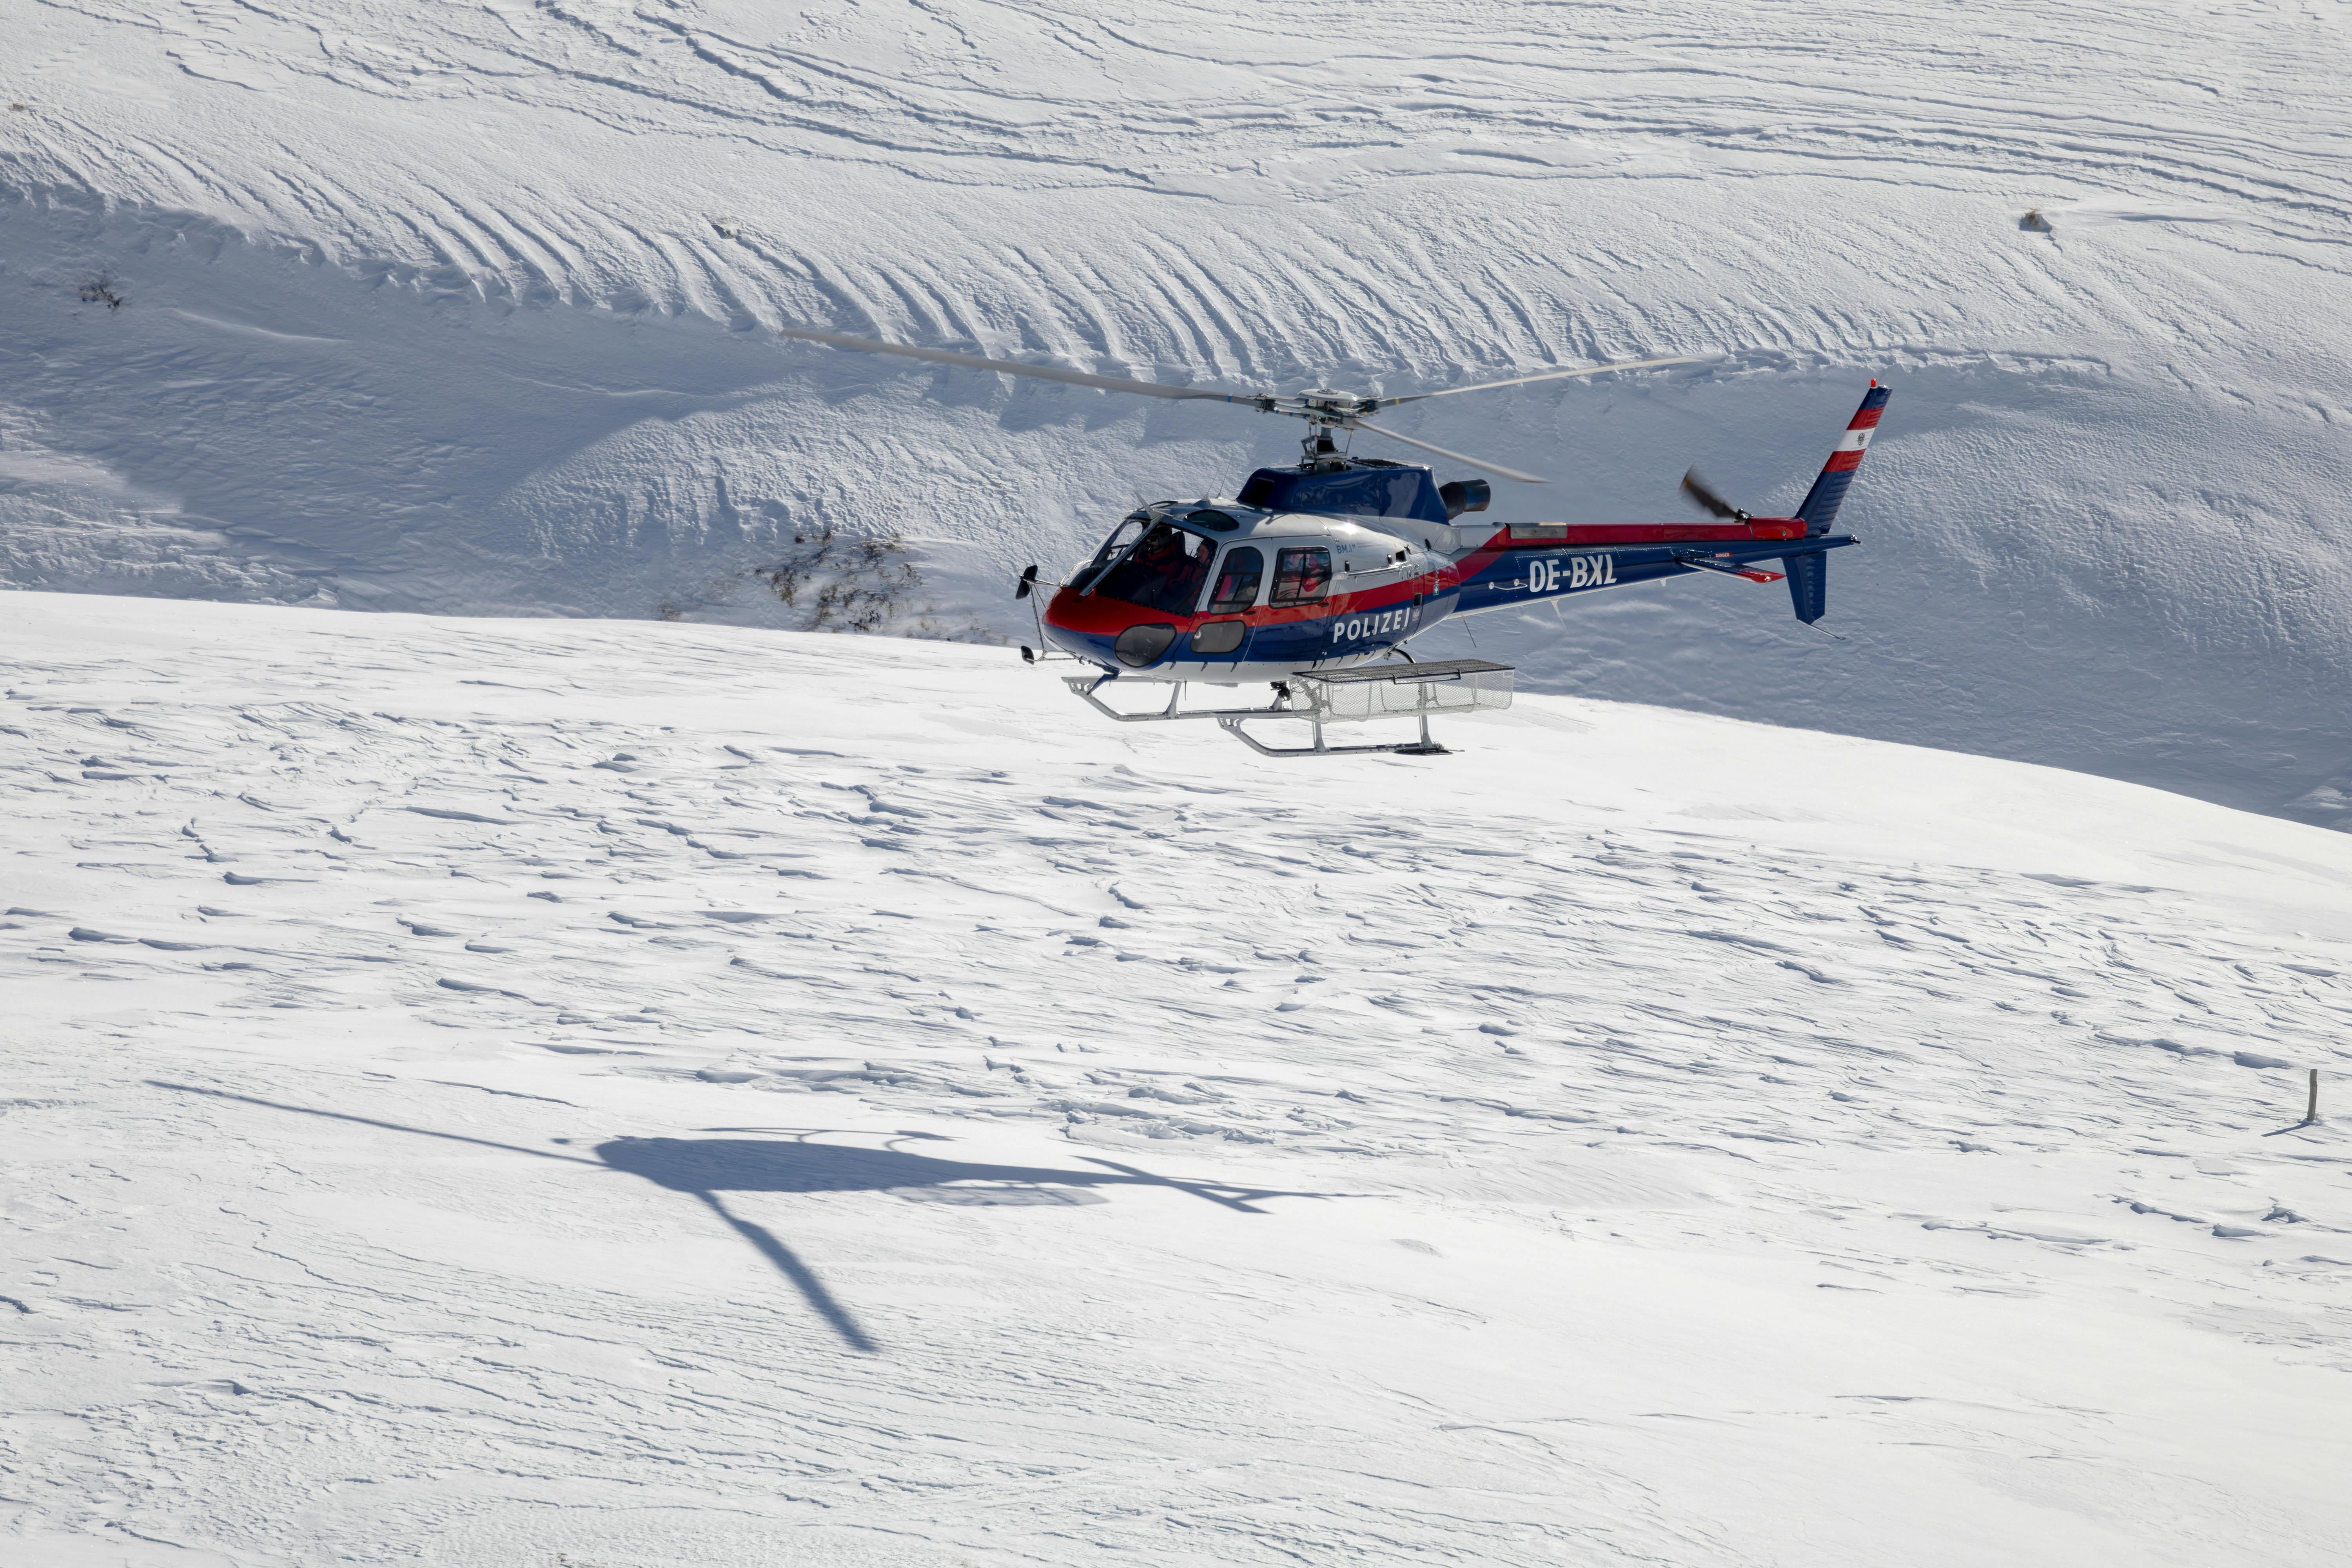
1237	581
1164	572
1301	577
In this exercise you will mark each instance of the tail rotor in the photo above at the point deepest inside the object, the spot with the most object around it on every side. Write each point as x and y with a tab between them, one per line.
1710	502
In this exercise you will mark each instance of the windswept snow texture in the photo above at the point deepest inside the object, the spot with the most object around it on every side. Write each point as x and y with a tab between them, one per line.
497	1092
463	309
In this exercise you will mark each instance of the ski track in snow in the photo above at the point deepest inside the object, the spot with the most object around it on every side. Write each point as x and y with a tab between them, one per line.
488	1091
427	307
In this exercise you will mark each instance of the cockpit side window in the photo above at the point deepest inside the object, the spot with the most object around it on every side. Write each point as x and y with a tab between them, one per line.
1237	581
1301	577
1164	572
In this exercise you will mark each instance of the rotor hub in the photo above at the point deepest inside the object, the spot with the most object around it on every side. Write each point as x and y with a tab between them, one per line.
1325	405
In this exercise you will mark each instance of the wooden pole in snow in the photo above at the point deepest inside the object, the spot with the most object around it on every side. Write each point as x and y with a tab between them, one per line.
2312	1113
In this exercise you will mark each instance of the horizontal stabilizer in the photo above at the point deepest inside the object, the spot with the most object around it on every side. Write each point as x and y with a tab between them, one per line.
1730	568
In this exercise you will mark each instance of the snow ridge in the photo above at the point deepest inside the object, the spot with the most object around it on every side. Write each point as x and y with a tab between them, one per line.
463	313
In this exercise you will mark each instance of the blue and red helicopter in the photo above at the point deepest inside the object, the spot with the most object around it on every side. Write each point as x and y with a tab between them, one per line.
1311	575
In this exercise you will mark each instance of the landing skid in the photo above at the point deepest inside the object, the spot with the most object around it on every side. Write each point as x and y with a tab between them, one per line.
1424	747
1380	691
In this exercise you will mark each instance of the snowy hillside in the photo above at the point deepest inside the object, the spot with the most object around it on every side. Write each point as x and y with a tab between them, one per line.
495	1093
461	308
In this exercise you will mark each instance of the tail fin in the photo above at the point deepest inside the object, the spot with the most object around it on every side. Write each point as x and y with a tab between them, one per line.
1809	576
1821	506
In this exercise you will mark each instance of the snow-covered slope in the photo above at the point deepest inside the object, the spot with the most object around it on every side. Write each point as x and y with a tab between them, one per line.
494	1091
460	309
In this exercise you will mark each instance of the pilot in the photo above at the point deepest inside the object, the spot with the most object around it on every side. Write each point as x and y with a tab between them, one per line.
1168	571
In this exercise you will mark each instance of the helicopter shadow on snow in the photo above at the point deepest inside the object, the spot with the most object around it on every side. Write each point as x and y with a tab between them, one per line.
790	1160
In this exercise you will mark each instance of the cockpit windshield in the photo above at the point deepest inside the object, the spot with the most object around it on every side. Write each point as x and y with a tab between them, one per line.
1130	527
1164	571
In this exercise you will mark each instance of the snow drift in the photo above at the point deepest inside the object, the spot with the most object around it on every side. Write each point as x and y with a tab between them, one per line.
496	1091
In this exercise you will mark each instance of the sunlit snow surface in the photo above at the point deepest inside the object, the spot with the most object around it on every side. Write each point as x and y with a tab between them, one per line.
464	309
500	1092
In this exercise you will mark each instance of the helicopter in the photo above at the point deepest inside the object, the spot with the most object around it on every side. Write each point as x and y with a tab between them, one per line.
1312	578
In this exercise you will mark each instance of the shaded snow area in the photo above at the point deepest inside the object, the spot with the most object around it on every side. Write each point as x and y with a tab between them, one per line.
465	309
496	1092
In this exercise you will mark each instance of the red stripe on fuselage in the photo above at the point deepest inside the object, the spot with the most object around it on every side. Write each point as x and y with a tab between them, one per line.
1843	462
1098	615
1868	418
1101	616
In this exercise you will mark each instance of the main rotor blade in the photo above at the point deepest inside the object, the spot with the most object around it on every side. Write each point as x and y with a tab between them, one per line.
1011	367
1457	456
1547	375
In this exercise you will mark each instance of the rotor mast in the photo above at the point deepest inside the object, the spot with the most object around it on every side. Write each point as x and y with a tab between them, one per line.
1325	411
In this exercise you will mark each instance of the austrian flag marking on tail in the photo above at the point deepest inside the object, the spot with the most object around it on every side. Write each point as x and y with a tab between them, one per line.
1848	455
